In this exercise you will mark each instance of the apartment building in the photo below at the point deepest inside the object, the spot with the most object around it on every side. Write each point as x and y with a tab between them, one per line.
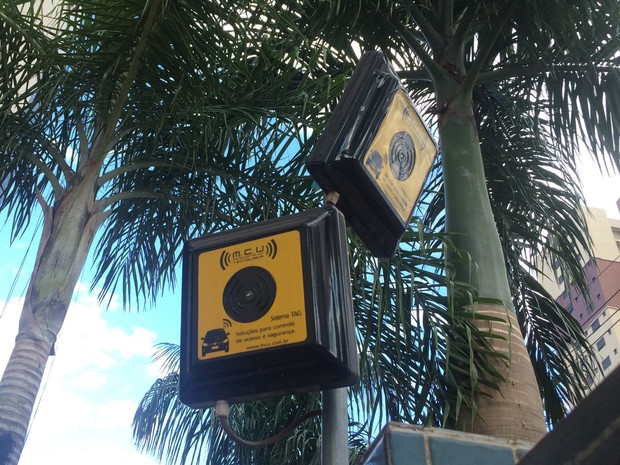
600	316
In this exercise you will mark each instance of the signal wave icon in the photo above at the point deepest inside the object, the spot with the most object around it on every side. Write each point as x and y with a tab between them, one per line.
269	249
226	323
225	259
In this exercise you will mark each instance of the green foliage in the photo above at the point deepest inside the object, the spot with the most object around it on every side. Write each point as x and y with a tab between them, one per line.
544	86
186	122
179	434
531	104
198	116
415	344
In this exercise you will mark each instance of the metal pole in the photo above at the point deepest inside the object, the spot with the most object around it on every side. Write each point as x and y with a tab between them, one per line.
334	428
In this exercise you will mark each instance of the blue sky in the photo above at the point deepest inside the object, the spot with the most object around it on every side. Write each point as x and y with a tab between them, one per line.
103	362
102	367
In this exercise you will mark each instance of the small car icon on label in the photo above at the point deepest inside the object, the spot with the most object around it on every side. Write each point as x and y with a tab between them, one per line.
215	340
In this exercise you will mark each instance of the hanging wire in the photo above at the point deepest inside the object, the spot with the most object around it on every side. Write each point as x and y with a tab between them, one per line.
602	323
615	260
222	409
49	370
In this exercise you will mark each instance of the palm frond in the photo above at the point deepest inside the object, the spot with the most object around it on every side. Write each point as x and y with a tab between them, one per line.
556	345
216	117
176	433
568	65
200	116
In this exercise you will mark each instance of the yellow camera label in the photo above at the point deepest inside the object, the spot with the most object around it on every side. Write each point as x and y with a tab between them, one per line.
251	296
400	155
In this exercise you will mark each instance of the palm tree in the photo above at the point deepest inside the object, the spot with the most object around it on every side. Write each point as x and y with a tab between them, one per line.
133	125
515	88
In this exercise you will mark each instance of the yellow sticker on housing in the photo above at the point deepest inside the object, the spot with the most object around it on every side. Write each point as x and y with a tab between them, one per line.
251	296
400	155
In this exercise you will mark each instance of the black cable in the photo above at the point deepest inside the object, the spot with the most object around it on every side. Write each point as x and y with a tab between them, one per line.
222	409
607	318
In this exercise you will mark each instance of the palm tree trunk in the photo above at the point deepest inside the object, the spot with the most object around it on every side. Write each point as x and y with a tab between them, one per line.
68	233
469	217
18	391
516	411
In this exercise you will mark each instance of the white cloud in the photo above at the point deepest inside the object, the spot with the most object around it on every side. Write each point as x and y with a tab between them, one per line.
116	414
601	190
156	369
87	345
89	379
138	343
91	388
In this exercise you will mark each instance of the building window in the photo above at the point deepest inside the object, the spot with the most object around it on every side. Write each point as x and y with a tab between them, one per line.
606	363
596	325
600	343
